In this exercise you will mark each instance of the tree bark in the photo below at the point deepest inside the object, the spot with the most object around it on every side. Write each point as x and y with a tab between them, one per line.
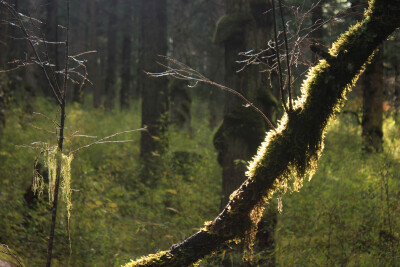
93	66
316	20
290	153
372	120
110	82
242	130
51	32
126	55
154	91
181	100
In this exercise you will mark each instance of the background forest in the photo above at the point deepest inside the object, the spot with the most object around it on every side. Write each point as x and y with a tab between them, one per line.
135	191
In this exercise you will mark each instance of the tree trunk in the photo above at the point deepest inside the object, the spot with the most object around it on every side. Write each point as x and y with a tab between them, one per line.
51	32
93	66
154	91
372	120
215	67
316	20
79	39
34	79
110	82
126	76
242	130
181	99
291	152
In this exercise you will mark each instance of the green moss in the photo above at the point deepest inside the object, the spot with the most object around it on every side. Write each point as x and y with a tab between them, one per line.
149	260
231	27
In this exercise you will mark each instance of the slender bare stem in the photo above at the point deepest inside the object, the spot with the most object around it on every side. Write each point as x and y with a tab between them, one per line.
289	88
60	144
278	58
9	252
103	140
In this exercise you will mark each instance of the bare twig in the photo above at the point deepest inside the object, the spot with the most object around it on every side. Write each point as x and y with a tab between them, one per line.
47	118
287	55
39	128
278	59
183	72
103	140
60	144
16	15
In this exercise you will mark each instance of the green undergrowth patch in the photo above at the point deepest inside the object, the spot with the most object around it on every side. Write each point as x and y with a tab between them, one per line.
349	214
114	217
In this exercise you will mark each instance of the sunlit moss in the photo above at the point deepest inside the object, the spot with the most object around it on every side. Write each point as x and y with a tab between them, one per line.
155	259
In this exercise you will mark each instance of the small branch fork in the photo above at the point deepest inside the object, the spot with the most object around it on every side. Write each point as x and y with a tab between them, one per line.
293	43
9	252
278	58
181	71
44	63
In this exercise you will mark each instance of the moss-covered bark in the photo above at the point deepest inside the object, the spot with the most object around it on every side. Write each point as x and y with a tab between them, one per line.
290	153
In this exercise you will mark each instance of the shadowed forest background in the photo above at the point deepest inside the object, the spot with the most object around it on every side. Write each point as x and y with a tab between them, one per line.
138	192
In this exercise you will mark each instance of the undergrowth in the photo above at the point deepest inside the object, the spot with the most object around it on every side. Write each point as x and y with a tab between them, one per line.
113	215
347	215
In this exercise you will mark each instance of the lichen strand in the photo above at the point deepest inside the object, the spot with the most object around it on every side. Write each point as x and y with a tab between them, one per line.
51	163
38	182
53	158
66	181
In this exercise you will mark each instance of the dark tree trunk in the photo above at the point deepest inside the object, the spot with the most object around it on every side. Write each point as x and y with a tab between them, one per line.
33	75
243	129
372	85
93	66
154	91
51	31
4	40
126	76
180	94
2	108
80	40
231	147
318	33
215	67
138	71
110	82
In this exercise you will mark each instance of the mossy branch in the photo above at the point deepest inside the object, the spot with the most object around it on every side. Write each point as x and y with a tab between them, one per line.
290	154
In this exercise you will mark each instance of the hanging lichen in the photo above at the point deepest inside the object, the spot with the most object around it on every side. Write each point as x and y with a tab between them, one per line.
51	162
53	159
38	181
66	181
